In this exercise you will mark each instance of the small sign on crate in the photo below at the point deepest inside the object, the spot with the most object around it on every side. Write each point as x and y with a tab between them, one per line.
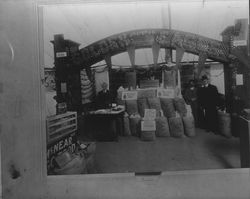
148	125
129	95
165	93
66	143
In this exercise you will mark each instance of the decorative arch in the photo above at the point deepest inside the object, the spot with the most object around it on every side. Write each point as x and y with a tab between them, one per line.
155	39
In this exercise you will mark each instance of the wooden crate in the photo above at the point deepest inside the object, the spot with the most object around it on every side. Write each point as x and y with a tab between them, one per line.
61	135
61	125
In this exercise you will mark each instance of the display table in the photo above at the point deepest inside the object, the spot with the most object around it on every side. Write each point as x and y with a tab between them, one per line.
105	124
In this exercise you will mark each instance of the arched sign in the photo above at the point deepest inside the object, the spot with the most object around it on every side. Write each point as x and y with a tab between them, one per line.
152	38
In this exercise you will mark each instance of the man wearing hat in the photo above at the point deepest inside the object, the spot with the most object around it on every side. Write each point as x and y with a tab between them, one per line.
209	97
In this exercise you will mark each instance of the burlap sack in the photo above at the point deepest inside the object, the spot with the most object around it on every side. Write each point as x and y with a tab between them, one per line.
76	166
126	125
142	105
169	78
189	126
148	135
162	127
180	106
176	127
167	107
224	123
131	107
134	122
154	103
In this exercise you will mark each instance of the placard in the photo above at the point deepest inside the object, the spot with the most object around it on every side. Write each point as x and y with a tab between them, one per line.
148	125
239	79
165	93
149	114
63	87
129	95
241	29
66	143
61	54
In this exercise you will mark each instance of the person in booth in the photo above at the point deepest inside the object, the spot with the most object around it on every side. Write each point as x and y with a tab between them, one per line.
104	97
209	97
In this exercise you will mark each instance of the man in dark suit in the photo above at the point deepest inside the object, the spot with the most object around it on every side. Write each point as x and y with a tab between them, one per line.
104	97
209	100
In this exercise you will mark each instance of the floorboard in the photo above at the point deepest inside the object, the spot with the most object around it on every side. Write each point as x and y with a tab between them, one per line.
205	151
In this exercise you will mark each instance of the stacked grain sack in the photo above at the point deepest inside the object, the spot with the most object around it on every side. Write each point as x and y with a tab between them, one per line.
180	121
187	117
134	117
174	120
162	128
148	126
188	122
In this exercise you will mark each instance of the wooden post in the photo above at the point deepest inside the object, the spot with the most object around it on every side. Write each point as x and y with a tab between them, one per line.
244	126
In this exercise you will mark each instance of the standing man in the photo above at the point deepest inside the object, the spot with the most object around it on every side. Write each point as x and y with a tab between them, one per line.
104	97
209	100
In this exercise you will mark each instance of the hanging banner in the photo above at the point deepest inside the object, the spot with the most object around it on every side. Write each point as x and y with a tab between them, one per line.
100	78
167	55
108	61
155	50
201	63
179	56
131	54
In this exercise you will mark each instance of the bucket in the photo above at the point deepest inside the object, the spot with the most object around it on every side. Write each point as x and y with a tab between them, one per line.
61	108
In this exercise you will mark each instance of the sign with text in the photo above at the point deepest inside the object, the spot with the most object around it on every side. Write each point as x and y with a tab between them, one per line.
148	125
165	93
129	95
66	143
61	54
239	79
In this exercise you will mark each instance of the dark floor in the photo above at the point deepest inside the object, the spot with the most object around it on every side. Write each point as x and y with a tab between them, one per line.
205	151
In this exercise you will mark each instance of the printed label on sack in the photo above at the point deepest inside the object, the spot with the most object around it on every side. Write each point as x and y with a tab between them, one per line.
148	125
129	95
165	93
61	54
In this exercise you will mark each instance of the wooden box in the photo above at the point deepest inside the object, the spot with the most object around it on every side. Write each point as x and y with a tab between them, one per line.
61	135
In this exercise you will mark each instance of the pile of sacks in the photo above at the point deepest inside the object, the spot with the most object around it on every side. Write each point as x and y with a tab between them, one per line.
172	118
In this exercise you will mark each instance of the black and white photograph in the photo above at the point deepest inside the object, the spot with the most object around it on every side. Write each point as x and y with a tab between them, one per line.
125	99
